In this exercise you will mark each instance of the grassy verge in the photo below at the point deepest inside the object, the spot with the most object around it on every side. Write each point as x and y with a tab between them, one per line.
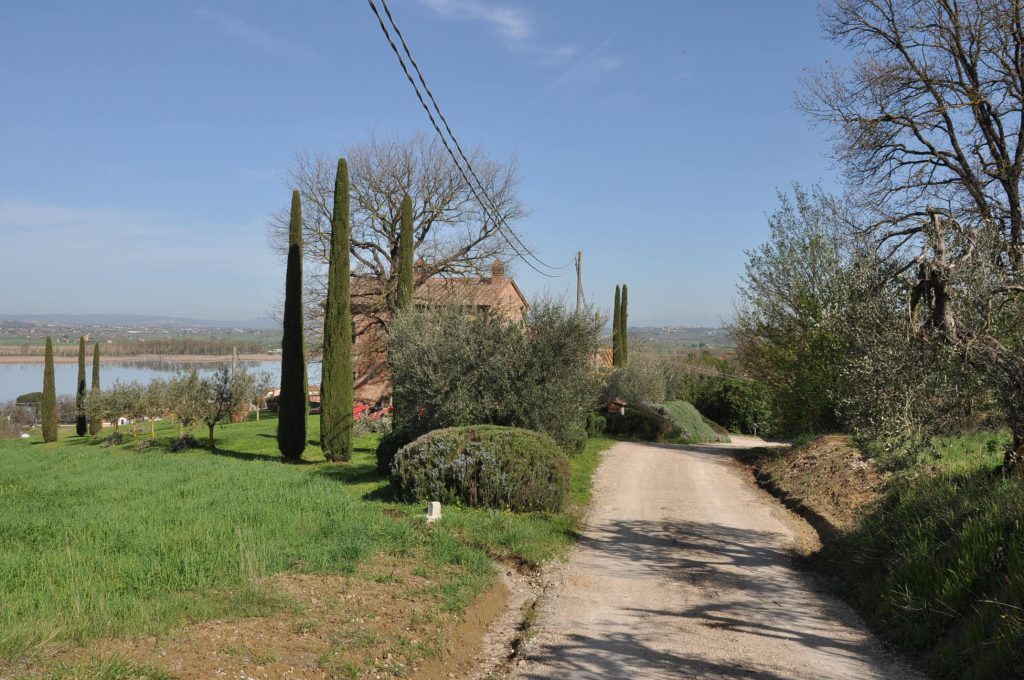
103	542
694	428
935	562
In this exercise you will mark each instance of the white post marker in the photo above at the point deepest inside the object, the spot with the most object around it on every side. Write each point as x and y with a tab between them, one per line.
433	511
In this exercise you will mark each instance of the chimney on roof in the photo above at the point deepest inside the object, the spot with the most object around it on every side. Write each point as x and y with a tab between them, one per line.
498	273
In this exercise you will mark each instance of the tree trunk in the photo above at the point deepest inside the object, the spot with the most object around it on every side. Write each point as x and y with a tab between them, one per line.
211	436
152	429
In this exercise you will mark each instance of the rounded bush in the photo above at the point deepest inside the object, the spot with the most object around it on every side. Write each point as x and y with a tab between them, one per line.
388	446
483	466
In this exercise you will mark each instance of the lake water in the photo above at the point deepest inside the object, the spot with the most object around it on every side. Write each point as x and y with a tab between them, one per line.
18	379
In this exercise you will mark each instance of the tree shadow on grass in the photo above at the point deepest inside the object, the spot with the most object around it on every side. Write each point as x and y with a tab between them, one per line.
360	473
247	455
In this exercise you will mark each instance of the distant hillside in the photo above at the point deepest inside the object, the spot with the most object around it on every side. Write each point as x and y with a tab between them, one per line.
134	320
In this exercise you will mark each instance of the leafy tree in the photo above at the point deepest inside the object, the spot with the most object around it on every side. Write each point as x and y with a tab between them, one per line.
222	395
453	368
156	402
641	381
406	246
293	404
117	401
617	329
95	424
187	396
733	401
49	405
336	389
624	327
81	422
789	325
262	383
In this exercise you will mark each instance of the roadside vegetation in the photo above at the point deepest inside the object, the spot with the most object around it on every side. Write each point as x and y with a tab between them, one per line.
931	554
894	314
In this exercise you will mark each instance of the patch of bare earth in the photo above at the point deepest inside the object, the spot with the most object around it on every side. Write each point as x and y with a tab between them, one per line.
386	621
828	480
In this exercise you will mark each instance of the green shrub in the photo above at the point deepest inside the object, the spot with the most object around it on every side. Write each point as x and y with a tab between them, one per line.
184	443
691	424
596	423
451	367
483	466
389	444
737	404
649	423
114	439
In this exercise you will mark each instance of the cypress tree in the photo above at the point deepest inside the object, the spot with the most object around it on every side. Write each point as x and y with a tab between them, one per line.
336	389
81	424
405	258
624	330
616	326
49	406
96	424
293	402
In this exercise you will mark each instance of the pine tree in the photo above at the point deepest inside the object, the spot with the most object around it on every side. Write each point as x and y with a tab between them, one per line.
293	402
405	258
49	406
616	326
96	424
624	327
336	389
81	423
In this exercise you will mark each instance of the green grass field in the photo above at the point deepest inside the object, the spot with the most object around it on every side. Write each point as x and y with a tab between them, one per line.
100	542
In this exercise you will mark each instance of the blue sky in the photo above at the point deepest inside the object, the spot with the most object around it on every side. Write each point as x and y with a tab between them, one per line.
144	144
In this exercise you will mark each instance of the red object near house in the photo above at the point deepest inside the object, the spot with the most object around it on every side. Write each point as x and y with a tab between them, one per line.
377	415
359	412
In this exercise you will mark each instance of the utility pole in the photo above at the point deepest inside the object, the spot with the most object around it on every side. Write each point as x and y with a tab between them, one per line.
579	281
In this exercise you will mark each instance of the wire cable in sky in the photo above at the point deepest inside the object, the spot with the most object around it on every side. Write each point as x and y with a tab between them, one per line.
458	146
494	216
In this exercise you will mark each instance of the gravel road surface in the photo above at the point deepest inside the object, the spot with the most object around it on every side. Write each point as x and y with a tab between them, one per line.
685	570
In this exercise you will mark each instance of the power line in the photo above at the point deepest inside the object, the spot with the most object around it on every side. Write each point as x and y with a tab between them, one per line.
496	216
458	146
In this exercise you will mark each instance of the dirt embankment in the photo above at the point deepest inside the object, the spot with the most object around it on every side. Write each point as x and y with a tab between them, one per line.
827	480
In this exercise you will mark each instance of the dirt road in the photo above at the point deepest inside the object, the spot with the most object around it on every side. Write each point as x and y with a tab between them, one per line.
684	571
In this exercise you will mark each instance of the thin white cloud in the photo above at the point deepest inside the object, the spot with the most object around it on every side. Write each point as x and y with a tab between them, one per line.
255	37
513	24
510	22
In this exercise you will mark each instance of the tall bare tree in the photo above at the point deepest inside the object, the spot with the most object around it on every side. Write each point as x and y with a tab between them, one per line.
929	126
453	234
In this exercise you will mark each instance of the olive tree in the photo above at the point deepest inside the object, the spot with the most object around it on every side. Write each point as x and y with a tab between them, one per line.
222	394
452	367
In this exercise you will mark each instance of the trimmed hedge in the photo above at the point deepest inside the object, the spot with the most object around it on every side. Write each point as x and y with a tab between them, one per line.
389	445
483	466
649	423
